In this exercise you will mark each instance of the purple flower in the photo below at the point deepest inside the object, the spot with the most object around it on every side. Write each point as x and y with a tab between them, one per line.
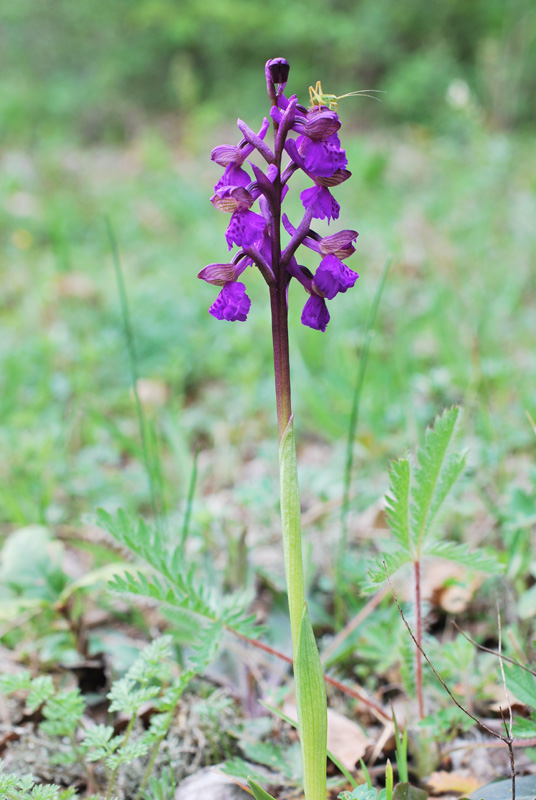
332	277
322	157
315	313
322	202
310	138
227	154
233	176
232	303
245	228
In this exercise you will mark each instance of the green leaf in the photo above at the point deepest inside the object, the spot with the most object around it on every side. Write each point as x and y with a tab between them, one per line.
42	689
435	476
361	792
19	681
397	502
153	661
502	790
522	684
312	714
405	791
460	553
524	728
99	736
258	792
387	565
63	713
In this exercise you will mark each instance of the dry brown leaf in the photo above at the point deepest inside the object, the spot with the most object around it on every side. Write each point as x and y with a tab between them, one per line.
443	782
346	740
448	585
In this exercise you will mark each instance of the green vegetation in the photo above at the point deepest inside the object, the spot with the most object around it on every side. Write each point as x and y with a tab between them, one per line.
108	113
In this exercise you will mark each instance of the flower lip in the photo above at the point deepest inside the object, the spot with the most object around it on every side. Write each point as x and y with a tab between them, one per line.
332	277
232	303
315	313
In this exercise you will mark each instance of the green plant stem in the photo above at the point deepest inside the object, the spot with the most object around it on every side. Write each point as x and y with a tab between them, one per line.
292	546
149	768
113	776
310	689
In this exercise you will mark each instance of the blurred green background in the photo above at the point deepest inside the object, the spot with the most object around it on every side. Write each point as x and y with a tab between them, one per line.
95	69
112	108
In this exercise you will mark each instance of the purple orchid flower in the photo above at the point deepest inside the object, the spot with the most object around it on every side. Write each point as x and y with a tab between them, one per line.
309	137
232	303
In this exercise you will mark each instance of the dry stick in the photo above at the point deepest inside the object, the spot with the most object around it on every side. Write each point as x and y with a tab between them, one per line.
418	659
332	681
507	727
494	652
436	673
508	740
477	745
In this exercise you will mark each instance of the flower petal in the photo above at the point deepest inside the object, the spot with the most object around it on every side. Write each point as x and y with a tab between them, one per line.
321	202
315	313
218	274
232	303
245	228
332	277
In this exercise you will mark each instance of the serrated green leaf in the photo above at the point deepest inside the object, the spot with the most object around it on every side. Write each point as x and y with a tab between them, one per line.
42	688
20	681
98	736
397	502
387	565
435	475
461	554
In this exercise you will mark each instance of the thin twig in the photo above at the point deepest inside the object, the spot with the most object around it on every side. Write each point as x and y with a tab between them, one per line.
332	681
436	673
494	652
503	676
507	727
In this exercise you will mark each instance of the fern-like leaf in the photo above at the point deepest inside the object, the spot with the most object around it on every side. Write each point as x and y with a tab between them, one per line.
164	577
460	553
387	566
435	476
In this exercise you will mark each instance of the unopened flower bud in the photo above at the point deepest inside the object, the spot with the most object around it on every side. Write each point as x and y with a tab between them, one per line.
278	69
